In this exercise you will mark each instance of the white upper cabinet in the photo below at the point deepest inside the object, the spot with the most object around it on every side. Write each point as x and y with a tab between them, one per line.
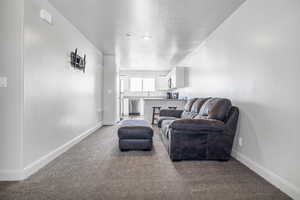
176	77
162	83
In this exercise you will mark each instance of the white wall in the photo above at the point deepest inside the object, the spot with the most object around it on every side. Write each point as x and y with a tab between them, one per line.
253	59
110	91
60	103
48	106
11	37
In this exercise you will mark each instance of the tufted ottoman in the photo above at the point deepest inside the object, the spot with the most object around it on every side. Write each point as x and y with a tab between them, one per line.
135	135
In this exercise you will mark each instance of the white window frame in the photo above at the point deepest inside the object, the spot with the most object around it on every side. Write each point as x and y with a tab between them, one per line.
142	89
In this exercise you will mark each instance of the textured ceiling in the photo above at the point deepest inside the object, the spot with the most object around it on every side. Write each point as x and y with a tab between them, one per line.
174	27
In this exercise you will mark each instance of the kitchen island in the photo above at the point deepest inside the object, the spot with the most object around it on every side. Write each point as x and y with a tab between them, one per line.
160	102
127	107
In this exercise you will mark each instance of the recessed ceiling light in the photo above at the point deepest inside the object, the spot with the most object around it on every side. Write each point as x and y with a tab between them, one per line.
147	37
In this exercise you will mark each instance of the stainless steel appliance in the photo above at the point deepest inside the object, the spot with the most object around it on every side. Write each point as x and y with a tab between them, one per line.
134	107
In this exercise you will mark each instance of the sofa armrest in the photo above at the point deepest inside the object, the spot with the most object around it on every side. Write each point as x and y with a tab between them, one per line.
197	125
232	120
171	113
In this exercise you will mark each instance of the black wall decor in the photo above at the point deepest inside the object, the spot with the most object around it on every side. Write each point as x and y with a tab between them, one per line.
77	61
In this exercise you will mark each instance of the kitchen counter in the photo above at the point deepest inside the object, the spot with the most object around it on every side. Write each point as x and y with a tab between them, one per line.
160	102
145	104
162	99
143	97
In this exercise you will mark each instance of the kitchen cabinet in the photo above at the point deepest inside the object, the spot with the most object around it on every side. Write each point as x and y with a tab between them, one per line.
162	83
177	77
173	80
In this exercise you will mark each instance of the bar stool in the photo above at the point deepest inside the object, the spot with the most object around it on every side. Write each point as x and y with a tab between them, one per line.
155	113
172	107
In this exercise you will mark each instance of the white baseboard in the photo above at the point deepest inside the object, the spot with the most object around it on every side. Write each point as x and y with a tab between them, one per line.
11	175
279	182
40	163
17	175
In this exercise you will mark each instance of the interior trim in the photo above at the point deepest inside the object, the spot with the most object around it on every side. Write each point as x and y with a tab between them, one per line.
11	175
18	175
279	182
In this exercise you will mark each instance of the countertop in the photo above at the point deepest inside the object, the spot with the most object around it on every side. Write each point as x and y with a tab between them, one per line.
147	98
162	99
143	97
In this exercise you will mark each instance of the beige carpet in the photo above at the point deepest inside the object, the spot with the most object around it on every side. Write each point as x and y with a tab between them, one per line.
95	170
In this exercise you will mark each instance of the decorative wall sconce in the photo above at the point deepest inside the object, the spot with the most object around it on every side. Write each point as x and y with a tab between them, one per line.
77	61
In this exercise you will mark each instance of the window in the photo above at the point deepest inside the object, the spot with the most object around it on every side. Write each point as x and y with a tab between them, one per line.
148	84
142	84
136	84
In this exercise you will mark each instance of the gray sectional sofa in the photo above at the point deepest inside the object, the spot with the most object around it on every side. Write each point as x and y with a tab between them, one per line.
204	130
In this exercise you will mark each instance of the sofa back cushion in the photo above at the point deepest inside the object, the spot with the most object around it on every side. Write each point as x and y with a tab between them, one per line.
198	104
189	104
187	114
215	108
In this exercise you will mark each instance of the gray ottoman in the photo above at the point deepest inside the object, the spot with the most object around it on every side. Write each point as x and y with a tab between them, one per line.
135	135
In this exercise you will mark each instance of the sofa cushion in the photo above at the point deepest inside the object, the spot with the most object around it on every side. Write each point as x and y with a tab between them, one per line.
198	104
189	104
215	108
163	118
187	114
170	113
198	125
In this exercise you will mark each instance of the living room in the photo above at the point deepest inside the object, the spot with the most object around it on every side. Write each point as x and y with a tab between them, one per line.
219	112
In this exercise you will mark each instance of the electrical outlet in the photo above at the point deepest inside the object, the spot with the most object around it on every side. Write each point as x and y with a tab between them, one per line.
3	82
240	141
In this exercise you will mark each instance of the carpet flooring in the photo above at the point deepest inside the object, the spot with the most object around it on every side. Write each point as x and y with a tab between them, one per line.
95	169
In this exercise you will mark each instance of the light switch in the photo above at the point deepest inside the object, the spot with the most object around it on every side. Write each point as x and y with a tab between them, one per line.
3	82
